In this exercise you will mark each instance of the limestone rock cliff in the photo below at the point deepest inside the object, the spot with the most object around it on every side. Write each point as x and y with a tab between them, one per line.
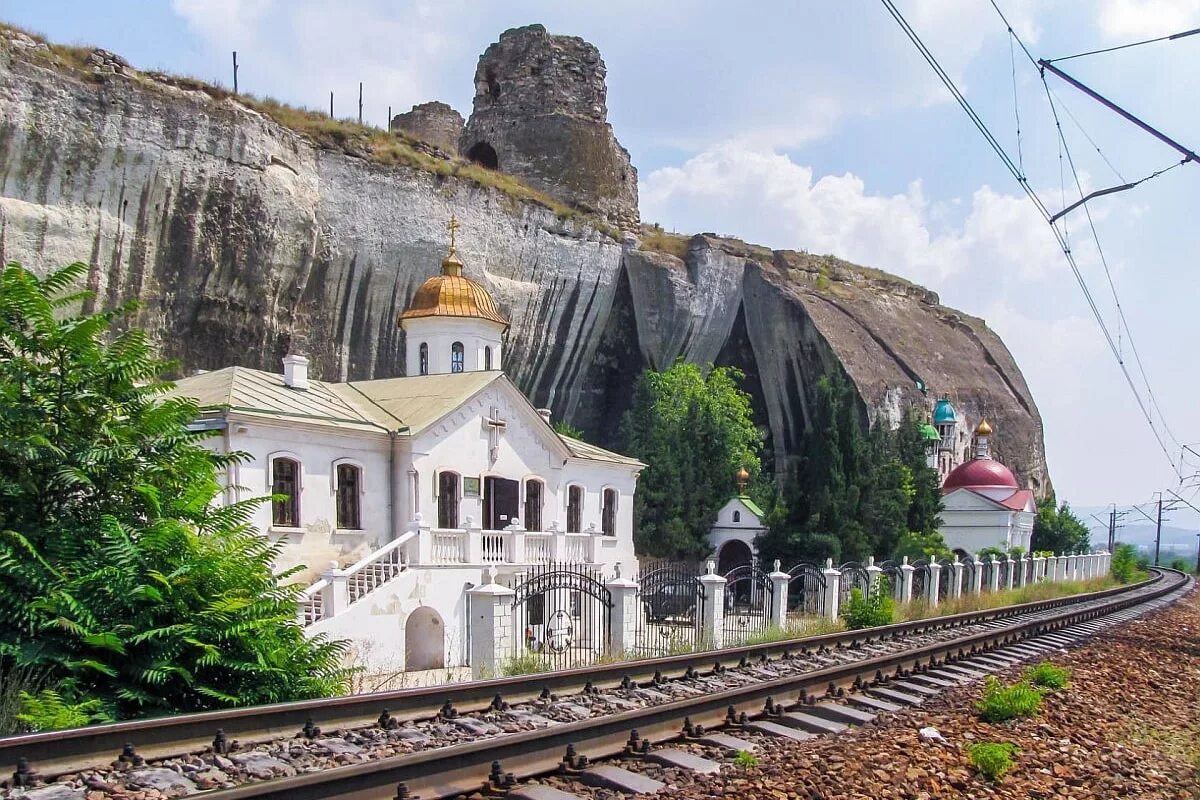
240	237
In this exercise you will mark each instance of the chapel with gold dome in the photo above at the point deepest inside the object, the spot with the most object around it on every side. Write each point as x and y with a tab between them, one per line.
452	324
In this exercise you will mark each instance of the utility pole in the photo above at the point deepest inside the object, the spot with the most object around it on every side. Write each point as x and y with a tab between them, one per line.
331	105
1158	530
360	102
389	119
1112	528
1197	570
235	69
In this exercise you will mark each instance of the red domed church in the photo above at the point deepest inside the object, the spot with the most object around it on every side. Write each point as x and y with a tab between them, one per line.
984	505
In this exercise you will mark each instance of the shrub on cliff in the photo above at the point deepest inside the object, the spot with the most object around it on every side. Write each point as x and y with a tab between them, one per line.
121	586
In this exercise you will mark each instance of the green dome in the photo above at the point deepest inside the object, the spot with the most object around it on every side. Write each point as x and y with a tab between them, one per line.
944	412
929	433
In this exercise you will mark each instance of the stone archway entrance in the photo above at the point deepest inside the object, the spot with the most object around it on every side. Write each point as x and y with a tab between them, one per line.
424	640
484	155
734	553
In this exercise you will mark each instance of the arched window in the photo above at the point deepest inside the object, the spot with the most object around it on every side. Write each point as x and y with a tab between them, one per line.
447	500
737	516
456	357
608	516
533	505
574	509
349	497
487	358
423	358
285	485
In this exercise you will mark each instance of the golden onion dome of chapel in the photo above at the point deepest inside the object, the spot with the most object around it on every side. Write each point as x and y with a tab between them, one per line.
452	294
984	429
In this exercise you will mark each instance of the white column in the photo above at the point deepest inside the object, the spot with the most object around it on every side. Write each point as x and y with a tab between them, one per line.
1039	564
622	621
1012	565
335	597
873	573
713	623
491	627
474	542
956	584
906	580
994	577
424	540
933	585
977	578
833	589
779	596
1022	568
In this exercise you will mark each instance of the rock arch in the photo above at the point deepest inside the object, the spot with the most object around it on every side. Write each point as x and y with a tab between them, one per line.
424	640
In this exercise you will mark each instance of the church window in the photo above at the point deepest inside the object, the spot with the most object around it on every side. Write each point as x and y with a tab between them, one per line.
487	358
349	497
737	516
608	517
285	485
423	358
533	505
456	357
447	483
574	509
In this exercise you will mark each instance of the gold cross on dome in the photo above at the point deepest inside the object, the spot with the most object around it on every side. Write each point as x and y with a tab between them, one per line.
453	226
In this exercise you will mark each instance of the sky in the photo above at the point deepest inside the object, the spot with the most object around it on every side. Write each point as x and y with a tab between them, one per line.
817	126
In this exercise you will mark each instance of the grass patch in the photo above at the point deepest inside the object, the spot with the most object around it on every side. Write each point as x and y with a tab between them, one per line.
745	758
794	629
1048	676
528	663
656	239
1033	593
1000	703
993	759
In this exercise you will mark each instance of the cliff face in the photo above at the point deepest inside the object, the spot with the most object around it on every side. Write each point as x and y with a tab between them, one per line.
241	237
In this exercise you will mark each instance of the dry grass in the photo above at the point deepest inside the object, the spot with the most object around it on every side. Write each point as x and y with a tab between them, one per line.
656	239
919	609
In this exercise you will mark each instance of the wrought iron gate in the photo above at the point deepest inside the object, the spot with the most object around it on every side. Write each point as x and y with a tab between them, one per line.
670	608
920	580
806	589
945	580
970	572
890	571
748	593
561	615
854	576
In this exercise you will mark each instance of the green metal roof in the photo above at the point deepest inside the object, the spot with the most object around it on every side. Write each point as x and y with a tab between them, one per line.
930	433
753	506
944	412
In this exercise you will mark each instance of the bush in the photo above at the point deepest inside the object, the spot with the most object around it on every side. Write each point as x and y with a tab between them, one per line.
871	610
1124	566
993	759
1180	564
1001	703
1048	676
47	711
528	663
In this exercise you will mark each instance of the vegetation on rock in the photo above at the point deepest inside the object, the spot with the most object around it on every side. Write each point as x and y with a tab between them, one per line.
992	759
122	587
1000	703
1048	676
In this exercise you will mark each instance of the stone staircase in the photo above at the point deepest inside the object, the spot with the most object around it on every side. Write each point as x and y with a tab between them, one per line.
338	589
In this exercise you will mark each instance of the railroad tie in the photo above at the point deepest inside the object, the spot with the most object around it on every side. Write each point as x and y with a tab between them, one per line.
622	780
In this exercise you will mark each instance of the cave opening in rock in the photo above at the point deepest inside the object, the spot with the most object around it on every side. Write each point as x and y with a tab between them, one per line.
484	155
493	85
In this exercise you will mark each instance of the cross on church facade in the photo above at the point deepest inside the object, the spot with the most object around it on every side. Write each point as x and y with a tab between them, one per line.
496	426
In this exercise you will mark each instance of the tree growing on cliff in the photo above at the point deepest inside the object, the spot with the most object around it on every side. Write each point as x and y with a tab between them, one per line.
694	429
122	587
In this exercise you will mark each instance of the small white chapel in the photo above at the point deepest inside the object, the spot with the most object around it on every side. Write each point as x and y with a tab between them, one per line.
395	497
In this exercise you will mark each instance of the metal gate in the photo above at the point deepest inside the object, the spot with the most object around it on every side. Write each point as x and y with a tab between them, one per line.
561	615
986	568
670	608
854	576
748	593
945	579
890	571
920	580
806	589
1029	570
970	571
1003	566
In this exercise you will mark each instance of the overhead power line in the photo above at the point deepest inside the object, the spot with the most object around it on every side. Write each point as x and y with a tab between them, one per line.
1168	38
1016	169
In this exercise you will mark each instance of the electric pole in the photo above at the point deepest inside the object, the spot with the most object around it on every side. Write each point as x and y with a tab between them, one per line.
360	102
1158	530
235	70
331	105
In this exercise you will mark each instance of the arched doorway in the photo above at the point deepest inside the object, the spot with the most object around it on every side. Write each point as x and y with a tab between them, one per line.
424	640
484	155
734	553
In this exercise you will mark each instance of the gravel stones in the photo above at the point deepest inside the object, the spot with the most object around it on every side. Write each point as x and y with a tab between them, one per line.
167	782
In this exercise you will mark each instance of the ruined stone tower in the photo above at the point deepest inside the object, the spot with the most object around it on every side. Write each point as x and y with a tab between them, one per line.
436	123
540	115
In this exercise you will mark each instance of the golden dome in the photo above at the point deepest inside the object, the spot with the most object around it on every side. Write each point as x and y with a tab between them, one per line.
452	294
984	429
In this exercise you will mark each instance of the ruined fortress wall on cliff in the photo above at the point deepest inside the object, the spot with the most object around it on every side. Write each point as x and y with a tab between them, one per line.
240	237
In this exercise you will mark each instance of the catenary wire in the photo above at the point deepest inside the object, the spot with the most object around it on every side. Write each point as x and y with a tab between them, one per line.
1169	37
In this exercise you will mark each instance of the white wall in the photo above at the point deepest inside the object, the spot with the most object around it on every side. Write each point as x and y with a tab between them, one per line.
971	523
440	333
746	529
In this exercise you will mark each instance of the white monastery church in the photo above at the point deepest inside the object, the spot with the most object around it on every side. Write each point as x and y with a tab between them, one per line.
400	495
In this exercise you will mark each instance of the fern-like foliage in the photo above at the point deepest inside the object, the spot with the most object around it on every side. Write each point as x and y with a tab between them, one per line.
122	583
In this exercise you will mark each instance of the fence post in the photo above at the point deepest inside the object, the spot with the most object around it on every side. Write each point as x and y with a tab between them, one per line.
1039	564
491	626
933	587
957	587
424	540
1008	578
779	596
906	573
335	597
713	625
833	590
622	620
994	577
873	573
1061	571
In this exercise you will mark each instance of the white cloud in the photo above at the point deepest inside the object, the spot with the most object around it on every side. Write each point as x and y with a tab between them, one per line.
1125	19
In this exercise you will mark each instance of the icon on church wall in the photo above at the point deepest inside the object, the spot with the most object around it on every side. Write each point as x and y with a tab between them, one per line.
470	487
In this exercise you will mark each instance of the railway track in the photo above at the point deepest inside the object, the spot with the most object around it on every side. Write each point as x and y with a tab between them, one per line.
449	736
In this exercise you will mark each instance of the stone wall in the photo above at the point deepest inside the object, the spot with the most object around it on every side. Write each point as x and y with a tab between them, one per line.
433	122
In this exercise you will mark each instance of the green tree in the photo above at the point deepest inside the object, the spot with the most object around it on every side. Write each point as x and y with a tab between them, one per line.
694	429
122	584
1058	529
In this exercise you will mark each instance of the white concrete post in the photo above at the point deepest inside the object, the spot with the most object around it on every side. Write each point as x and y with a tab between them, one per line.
1022	568
994	577
516	537
779	596
1073	567
1105	562
1039	565
1012	565
833	590
424	540
933	585
906	580
713	623
873	573
622	621
491	627
474	542
335	597
956	583
977	578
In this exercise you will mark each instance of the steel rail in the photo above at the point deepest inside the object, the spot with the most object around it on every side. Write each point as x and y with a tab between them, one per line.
455	770
58	752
